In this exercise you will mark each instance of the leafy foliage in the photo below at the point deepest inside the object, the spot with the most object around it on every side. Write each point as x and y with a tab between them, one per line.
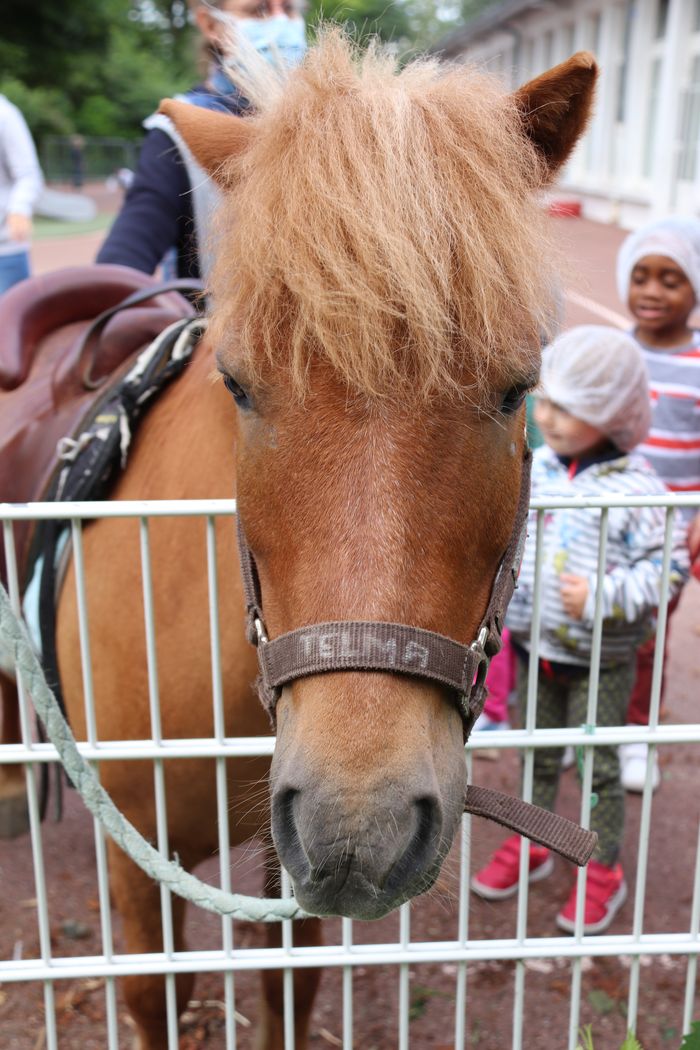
364	18
97	69
100	68
691	1041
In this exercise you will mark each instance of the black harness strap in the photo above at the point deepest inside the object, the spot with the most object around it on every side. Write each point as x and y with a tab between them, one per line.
89	462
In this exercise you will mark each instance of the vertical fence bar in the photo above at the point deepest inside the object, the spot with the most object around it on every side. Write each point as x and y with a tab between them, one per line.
221	787
463	921
106	931
692	970
347	988
91	727
404	975
42	906
528	765
587	777
83	630
288	975
158	777
25	721
645	819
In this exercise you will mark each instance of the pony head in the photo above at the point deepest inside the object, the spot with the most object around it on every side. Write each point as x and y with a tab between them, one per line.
382	285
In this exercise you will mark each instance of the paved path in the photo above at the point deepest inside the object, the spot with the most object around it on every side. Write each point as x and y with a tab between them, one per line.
588	257
52	252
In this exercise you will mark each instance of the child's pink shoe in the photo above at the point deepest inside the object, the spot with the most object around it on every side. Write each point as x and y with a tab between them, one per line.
499	879
606	892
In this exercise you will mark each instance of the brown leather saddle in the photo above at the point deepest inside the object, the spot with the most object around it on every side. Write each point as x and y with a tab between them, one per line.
63	336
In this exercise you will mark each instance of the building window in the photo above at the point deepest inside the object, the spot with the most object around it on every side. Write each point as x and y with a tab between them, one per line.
622	70
547	49
690	124
592	37
569	40
661	18
528	66
652	113
592	32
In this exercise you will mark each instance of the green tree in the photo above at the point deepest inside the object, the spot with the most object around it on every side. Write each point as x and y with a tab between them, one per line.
98	69
389	21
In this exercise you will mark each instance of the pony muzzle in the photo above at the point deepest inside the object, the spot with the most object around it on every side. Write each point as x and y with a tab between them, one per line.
360	857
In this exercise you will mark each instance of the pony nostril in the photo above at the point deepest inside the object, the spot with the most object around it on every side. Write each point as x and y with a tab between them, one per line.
420	852
285	834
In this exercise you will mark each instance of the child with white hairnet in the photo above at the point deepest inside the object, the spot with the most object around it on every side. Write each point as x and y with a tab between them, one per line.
593	410
658	277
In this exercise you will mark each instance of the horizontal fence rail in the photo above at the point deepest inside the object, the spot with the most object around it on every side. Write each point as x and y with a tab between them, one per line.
347	955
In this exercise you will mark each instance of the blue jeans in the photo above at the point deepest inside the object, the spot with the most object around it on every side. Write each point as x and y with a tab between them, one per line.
13	268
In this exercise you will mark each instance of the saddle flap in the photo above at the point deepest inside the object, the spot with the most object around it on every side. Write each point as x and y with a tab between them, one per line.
33	309
50	369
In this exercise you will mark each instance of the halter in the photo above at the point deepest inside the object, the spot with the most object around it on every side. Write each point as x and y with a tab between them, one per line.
375	645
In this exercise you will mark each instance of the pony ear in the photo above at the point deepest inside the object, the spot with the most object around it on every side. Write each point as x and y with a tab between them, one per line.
555	108
212	137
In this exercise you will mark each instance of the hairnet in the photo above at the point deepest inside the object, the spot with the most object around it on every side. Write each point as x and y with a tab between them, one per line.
598	375
676	237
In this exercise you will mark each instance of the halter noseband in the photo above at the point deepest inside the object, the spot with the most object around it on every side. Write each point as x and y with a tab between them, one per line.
375	645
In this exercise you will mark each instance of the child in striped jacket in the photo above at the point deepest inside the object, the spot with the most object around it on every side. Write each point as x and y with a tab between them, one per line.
658	278
592	409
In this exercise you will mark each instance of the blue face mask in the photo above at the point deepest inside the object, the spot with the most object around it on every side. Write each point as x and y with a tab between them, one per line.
281	40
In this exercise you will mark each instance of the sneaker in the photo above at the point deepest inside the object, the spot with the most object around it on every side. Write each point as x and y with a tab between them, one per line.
568	759
633	767
499	879
606	892
486	724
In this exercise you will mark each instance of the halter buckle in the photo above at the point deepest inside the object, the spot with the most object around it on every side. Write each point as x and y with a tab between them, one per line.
260	632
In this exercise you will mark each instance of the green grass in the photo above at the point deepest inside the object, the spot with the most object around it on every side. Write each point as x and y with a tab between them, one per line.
690	1042
44	228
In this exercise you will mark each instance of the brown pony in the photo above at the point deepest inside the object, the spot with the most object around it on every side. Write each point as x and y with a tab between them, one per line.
378	304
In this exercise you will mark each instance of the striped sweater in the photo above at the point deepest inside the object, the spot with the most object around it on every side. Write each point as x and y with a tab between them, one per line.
673	444
570	545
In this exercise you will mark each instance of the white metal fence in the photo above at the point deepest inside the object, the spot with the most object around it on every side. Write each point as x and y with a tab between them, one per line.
456	955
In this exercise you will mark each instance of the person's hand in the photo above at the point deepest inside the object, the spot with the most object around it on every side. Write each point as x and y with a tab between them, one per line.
19	226
694	538
574	592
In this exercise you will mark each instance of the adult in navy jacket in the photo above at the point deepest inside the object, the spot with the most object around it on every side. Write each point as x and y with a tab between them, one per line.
167	210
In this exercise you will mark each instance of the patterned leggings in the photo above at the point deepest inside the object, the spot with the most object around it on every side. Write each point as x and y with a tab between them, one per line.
562	701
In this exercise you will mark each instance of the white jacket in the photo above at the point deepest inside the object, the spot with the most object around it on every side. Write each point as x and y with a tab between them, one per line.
21	180
570	545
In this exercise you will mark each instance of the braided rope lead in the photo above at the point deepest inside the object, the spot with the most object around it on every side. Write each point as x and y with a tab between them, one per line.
253	909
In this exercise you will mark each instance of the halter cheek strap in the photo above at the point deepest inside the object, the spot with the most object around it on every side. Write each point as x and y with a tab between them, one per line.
372	645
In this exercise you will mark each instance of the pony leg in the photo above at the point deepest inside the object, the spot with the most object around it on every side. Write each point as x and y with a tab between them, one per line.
137	899
14	814
307	933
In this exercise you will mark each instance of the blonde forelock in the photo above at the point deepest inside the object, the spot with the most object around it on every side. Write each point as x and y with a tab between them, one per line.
384	221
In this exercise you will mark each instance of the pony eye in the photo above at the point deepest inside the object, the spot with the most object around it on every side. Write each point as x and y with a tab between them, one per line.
513	399
236	390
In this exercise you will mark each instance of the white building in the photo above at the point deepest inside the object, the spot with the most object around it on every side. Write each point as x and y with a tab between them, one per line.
639	158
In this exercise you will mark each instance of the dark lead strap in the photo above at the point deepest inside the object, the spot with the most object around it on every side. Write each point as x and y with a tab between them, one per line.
548	829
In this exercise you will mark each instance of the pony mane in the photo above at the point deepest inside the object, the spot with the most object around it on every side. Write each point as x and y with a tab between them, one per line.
384	221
